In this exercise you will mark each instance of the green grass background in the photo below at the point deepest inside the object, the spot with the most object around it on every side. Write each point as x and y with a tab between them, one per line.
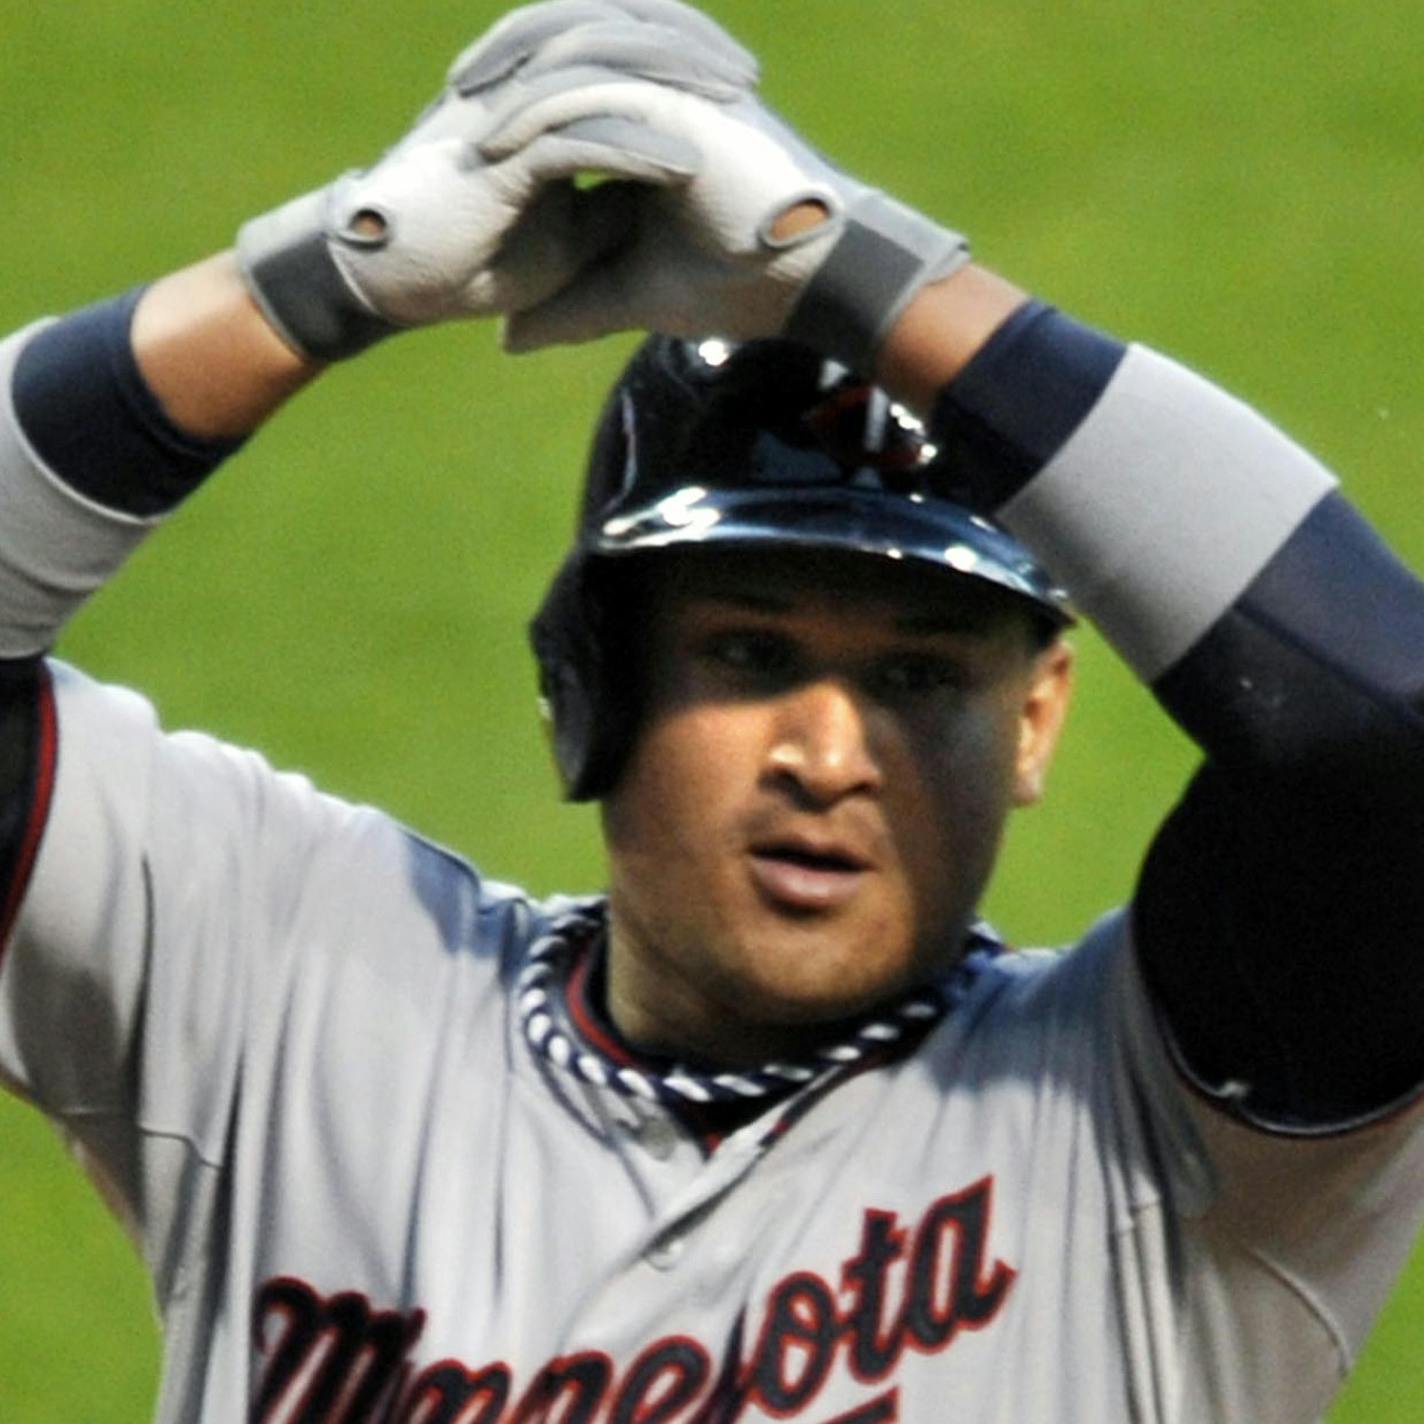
1237	184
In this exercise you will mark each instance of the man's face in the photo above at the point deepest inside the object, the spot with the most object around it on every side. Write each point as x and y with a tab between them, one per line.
828	749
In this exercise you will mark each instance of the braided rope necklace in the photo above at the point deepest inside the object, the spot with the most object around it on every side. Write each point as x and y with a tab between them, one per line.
574	933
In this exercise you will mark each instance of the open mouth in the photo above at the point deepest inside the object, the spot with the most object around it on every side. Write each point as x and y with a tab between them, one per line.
812	860
797	876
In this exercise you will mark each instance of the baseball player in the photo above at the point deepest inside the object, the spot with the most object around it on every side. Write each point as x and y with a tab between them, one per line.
776	1129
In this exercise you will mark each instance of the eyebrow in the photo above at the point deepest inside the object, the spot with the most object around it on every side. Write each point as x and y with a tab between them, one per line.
751	602
940	623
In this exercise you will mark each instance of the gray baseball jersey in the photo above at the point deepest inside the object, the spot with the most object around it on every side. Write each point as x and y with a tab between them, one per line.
281	1029
286	1035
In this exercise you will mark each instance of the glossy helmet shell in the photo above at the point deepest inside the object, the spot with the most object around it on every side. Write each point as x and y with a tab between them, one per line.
765	443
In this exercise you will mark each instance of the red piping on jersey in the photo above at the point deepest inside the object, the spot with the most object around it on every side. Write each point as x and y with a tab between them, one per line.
45	761
586	1021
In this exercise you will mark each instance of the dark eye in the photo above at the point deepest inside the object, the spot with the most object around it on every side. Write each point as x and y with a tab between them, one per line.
748	651
917	675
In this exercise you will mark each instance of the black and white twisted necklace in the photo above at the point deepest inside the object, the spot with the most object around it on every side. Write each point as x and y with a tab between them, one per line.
575	932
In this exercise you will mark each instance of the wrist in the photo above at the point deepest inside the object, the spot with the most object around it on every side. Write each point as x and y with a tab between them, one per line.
212	360
883	255
287	261
942	329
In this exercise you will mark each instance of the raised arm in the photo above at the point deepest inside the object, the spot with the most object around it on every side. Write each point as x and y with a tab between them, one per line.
1212	551
102	434
1278	913
113	415
433	231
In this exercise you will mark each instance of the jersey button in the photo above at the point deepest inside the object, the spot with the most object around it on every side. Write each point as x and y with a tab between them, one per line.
664	1253
658	1138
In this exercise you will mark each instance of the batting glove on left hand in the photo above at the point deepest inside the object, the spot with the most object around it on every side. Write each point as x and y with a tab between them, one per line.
436	229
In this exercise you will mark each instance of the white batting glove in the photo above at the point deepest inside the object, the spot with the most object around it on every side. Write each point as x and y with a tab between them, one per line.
435	229
707	256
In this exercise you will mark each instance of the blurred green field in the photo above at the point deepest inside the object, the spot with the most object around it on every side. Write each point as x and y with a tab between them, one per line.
1237	184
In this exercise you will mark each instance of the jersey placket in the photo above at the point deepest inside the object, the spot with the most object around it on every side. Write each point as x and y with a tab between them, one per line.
680	1175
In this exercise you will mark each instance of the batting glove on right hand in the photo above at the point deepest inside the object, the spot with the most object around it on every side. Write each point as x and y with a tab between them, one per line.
710	251
435	229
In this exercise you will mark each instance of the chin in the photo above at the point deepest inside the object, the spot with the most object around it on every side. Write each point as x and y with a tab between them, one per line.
821	970
803	983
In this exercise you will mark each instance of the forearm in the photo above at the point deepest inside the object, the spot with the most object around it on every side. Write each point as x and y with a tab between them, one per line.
1156	497
110	418
211	359
941	331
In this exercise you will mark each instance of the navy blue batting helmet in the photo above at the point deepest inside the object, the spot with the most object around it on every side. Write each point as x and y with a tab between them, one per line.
708	443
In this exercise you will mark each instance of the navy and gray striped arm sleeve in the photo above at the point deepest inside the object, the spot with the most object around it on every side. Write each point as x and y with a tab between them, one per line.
89	463
1278	914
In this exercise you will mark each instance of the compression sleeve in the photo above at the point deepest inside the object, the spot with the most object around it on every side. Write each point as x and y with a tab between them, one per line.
1278	914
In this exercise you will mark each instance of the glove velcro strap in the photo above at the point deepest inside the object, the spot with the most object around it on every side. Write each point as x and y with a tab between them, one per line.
886	252
287	262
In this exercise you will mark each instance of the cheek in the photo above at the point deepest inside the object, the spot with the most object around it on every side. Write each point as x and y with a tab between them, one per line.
957	784
688	768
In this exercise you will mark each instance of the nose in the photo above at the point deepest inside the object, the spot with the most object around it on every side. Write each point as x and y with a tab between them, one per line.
821	744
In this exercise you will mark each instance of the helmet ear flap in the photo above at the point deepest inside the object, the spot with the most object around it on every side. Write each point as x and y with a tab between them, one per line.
588	710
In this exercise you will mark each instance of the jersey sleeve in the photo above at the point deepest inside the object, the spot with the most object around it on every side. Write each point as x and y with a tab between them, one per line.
155	930
145	880
167	870
1278	918
89	464
1250	1266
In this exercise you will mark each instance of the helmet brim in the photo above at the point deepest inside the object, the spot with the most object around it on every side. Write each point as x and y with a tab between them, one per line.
917	528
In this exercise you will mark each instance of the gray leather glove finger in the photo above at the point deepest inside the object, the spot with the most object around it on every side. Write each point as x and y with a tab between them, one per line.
562	32
421	236
708	254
